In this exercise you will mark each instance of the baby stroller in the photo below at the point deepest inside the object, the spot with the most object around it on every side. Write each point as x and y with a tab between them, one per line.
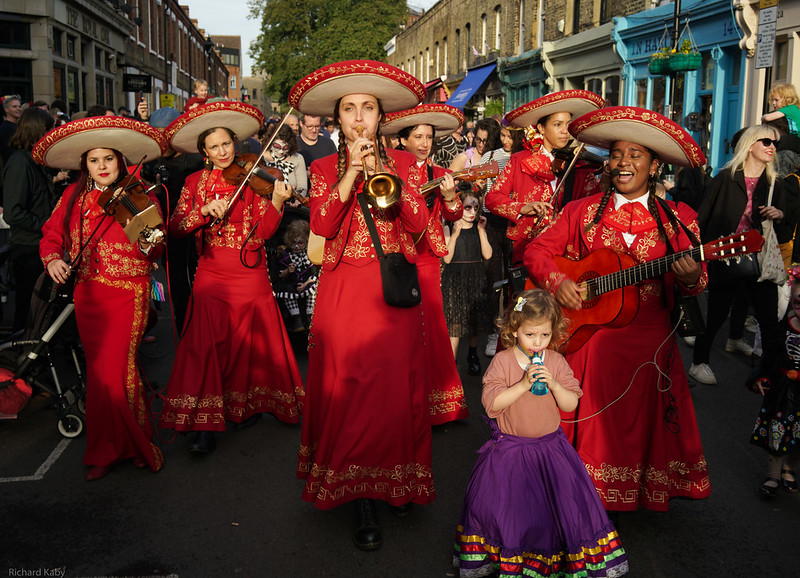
48	350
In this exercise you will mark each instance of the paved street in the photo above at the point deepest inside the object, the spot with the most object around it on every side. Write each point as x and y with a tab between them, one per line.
238	511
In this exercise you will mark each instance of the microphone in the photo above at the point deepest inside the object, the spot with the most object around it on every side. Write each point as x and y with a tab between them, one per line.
614	173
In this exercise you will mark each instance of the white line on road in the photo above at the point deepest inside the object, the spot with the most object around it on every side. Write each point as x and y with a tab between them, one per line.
46	465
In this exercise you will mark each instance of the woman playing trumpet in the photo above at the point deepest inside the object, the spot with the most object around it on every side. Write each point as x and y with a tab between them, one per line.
366	430
416	129
112	283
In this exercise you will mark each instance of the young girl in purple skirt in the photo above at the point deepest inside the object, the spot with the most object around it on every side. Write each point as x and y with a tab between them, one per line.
531	508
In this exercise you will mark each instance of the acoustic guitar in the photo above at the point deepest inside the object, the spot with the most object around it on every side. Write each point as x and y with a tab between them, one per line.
608	278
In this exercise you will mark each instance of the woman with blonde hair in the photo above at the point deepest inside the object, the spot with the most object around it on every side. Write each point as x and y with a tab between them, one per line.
737	202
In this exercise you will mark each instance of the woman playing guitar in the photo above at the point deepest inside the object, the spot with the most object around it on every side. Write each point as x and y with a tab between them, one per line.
635	420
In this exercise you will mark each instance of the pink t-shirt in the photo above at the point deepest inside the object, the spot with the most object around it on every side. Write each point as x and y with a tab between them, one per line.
531	416
746	224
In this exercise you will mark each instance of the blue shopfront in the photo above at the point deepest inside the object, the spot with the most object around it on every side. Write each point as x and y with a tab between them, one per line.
707	101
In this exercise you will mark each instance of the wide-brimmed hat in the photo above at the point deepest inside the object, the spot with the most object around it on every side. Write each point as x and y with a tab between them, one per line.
63	147
317	93
671	142
243	119
444	119
575	102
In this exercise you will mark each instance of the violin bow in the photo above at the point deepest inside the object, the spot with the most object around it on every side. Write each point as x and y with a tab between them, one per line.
575	154
242	185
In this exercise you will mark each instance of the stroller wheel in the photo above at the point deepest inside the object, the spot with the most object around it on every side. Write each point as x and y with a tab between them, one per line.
70	426
81	405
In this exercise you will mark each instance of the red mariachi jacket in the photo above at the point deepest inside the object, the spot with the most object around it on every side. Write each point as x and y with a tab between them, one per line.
199	189
434	242
569	237
109	254
342	223
527	178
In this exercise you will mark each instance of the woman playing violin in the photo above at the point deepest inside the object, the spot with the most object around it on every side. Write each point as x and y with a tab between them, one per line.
366	428
416	129
524	193
112	283
234	361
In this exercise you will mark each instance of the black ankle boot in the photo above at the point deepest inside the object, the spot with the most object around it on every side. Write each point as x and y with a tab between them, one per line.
473	361
204	443
367	533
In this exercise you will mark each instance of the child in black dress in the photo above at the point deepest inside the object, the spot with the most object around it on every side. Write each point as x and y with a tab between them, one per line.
777	378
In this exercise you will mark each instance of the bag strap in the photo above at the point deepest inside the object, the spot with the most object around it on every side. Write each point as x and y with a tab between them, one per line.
689	233
769	196
373	232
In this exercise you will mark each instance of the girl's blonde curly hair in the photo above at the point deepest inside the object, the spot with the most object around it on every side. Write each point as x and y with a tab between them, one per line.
535	305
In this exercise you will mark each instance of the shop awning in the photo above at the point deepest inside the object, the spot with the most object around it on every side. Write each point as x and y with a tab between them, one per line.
471	83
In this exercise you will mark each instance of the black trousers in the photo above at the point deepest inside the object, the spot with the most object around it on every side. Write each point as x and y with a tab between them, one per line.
27	267
764	298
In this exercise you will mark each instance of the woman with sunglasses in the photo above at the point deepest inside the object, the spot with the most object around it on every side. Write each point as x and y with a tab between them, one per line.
416	130
737	202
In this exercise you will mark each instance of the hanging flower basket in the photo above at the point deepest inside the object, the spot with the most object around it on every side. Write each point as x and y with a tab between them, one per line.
658	65
684	62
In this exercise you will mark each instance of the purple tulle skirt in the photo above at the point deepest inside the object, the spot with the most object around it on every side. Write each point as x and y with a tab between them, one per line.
531	510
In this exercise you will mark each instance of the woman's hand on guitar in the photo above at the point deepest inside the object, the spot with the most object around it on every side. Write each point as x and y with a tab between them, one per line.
687	270
215	208
58	271
569	294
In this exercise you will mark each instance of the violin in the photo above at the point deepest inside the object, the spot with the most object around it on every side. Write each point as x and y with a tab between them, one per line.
563	157
261	180
127	200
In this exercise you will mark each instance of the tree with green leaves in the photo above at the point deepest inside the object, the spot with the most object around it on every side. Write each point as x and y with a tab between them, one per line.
300	36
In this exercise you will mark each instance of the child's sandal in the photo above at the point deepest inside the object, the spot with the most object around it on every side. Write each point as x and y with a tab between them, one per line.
789	480
769	489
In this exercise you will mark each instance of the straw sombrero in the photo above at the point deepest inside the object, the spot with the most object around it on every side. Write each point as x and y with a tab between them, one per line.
63	147
317	93
575	102
671	142
243	119
442	117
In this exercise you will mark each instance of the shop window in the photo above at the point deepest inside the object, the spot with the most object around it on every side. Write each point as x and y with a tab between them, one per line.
612	91
641	92
707	72
595	85
780	65
15	35
101	94
58	40
16	77
659	94
71	47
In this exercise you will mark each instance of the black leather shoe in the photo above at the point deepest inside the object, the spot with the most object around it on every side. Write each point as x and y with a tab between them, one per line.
295	324
473	362
403	510
204	443
367	533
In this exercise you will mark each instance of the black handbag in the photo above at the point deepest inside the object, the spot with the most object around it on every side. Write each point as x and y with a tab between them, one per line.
398	276
740	268
687	313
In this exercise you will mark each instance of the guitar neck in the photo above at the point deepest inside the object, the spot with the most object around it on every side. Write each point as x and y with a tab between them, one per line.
640	272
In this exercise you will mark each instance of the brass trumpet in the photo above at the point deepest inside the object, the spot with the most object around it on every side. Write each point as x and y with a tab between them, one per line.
382	188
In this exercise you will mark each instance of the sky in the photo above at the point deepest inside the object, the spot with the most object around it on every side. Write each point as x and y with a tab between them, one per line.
233	20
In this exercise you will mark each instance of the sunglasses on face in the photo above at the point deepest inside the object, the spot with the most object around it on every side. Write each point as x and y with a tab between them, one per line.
768	141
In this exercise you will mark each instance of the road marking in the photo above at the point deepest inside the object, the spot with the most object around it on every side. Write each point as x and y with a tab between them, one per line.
46	465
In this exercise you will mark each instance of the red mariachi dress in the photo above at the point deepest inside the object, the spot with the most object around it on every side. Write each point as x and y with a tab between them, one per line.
527	178
445	393
643	448
234	359
112	302
366	426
